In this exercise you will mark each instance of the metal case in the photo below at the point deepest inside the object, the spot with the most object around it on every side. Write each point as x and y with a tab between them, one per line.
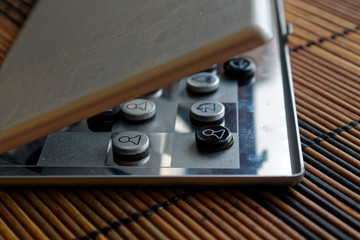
260	113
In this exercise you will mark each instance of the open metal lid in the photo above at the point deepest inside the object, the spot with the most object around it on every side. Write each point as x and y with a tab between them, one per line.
74	59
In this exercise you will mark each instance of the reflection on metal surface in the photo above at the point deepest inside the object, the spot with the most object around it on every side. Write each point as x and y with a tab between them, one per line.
181	125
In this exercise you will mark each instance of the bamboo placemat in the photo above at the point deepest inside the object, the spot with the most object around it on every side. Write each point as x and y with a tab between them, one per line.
325	58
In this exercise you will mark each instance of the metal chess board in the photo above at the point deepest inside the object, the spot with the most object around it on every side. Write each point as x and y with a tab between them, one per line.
258	111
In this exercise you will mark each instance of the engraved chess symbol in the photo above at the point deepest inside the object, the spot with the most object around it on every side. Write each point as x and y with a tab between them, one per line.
242	63
210	132
135	140
142	106
203	79
205	107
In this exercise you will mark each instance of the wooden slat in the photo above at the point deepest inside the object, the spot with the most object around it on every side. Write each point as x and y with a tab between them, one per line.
346	157
312	226
90	215
5	231
32	228
234	216
214	213
13	223
117	211
140	207
316	11
69	223
105	214
75	214
259	214
35	216
189	222
165	215
50	216
131	211
197	216
317	190
327	216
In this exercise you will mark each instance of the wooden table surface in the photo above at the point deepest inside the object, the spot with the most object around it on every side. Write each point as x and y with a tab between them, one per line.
325	55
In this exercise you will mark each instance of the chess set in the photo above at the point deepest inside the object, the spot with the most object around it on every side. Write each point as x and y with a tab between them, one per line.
232	123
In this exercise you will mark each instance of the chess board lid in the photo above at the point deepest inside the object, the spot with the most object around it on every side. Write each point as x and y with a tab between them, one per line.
74	59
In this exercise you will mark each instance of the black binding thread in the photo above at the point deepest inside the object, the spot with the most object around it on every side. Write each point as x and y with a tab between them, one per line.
324	39
134	217
13	8
11	19
336	131
331	134
91	235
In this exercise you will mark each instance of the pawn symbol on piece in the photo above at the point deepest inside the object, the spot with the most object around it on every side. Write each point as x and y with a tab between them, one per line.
205	79
142	106
210	132
135	140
